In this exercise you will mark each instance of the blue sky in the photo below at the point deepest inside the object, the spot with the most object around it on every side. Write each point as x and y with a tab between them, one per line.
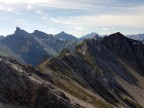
77	17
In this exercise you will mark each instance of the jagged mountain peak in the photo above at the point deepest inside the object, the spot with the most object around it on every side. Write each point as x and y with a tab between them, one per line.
65	36
90	36
63	32
117	35
40	34
132	50
20	32
18	28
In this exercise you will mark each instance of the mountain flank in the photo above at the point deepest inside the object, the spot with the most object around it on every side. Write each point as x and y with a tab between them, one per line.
104	72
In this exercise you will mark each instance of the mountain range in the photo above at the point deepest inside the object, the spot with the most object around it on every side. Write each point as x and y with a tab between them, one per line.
137	37
66	37
99	73
90	35
30	48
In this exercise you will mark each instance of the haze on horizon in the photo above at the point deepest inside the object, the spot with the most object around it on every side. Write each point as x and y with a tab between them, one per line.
76	17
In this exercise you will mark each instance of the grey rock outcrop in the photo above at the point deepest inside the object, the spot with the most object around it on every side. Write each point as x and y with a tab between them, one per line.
24	87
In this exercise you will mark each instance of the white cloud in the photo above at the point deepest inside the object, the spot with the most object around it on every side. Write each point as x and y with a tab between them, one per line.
9	9
103	20
24	1
91	15
29	7
52	3
63	20
105	28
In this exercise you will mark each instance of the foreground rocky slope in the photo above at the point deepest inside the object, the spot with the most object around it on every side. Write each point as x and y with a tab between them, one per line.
104	73
26	87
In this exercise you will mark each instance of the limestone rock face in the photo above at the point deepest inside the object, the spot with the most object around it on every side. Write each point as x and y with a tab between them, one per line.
130	49
22	87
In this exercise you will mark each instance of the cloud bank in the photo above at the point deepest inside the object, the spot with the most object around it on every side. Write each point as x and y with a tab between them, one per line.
78	17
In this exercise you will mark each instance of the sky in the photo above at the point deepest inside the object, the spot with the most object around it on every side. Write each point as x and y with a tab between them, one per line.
77	17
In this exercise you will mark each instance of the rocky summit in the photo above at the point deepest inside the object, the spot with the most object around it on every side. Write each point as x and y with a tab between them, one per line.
100	73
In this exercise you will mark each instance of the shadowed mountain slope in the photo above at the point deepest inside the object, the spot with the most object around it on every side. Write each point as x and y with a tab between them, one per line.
23	86
102	72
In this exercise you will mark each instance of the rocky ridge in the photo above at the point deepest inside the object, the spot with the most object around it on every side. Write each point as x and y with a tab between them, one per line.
100	72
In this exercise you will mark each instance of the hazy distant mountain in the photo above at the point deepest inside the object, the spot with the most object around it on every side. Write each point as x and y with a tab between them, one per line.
51	44
143	41
32	47
89	36
24	46
66	37
137	37
41	35
2	37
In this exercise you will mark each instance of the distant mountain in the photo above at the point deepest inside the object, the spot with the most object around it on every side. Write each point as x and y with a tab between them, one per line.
65	37
24	46
103	73
32	47
89	36
143	41
2	37
41	35
137	37
51	44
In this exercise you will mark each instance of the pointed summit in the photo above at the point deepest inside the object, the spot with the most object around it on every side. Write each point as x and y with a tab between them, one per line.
20	32
17	30
118	34
90	35
63	32
66	37
40	34
124	46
